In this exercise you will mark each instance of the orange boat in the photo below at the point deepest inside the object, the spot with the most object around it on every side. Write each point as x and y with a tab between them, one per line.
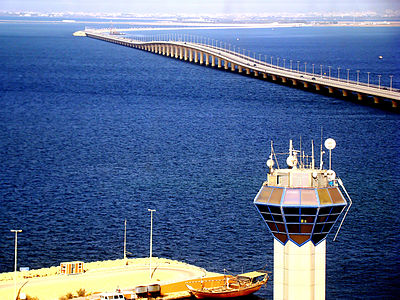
233	286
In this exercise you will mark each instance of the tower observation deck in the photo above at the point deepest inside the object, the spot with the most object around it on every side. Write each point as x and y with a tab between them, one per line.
300	205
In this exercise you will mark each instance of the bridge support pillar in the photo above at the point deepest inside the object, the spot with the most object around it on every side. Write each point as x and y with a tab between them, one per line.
240	69
180	53
167	49
185	55
305	84
255	73
283	79
163	50
294	82
247	71
219	62
212	61
225	64
190	55
207	59
359	96
394	103
344	93
201	57
195	57
376	100
273	77
232	67
330	90
173	53
265	75
317	87
176	51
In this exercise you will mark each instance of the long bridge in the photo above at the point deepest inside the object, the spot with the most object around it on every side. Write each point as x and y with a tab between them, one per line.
214	56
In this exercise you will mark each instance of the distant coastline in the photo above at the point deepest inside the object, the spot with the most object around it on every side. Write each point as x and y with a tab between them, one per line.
207	25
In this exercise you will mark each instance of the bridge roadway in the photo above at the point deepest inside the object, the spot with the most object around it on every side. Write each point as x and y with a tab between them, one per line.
236	62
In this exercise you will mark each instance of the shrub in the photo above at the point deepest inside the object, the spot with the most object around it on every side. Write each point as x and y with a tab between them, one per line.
81	292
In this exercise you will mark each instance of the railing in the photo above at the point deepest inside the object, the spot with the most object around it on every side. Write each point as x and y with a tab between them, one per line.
262	66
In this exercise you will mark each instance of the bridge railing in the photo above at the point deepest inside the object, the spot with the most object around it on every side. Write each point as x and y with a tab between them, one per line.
258	63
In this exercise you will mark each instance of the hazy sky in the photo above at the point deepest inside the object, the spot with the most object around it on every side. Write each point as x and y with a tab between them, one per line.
200	6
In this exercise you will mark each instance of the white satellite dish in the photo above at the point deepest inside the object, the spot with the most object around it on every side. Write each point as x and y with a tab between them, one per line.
330	144
291	161
331	175
270	163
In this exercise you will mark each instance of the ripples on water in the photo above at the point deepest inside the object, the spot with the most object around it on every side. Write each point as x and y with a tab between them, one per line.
92	133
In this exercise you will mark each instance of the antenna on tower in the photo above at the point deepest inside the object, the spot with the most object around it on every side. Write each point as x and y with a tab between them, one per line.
312	155
330	144
321	154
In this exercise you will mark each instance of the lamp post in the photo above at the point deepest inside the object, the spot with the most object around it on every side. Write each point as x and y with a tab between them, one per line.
291	68
329	67
368	78
15	260
151	237
391	81
348	75
305	67
379	81
313	69
277	61
298	66
284	63
358	76
321	70
338	73
271	60
125	242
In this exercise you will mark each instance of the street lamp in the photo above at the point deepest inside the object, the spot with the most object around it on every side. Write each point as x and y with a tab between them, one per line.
151	237
15	260
391	81
298	66
313	69
348	74
358	76
125	241
379	81
329	67
284	63
271	60
305	67
338	73
368	78
291	64
277	61
321	70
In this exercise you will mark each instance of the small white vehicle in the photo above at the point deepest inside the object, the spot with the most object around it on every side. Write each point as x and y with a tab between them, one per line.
112	296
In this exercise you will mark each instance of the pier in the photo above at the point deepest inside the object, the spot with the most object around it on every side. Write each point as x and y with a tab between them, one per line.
218	57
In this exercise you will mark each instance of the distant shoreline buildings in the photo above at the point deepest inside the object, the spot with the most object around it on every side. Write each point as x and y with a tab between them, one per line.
307	18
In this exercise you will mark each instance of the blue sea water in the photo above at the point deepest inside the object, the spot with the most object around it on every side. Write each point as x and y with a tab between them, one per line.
92	133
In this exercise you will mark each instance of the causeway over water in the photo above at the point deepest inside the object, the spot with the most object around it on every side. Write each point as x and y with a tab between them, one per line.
214	56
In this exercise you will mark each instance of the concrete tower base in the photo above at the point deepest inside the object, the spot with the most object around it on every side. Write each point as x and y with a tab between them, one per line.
299	272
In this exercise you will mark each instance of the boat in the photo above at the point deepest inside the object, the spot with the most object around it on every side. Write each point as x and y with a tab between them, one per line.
233	286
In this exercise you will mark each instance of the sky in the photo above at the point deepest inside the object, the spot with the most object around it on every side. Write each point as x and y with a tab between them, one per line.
200	6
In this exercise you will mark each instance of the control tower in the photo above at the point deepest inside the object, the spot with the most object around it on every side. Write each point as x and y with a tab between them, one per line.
300	205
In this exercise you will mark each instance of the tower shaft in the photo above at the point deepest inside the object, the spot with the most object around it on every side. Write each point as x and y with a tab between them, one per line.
299	272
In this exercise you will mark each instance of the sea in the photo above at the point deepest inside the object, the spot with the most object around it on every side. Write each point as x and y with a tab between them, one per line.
93	133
